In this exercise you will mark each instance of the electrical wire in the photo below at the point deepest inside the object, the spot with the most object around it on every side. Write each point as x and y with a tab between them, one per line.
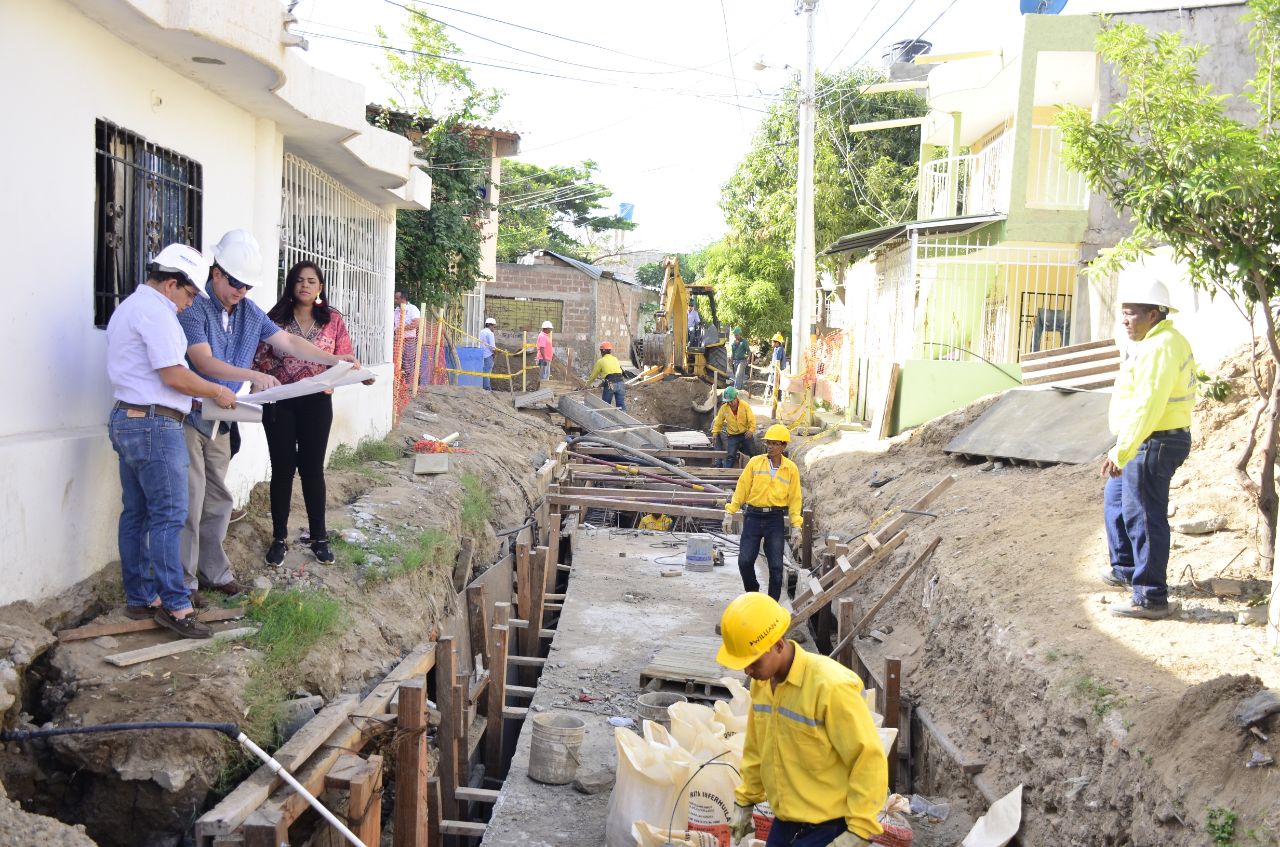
728	48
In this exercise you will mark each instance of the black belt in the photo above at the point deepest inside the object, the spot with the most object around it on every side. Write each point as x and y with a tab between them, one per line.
765	510
153	409
1177	431
613	378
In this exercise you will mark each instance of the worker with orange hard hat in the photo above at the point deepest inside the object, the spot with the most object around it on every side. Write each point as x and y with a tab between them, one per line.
812	750
769	490
608	367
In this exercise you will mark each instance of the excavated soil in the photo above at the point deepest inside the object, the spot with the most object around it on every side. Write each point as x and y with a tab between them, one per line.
147	788
1120	730
670	402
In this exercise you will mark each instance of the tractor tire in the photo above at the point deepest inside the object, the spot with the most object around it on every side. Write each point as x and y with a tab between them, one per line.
637	352
718	359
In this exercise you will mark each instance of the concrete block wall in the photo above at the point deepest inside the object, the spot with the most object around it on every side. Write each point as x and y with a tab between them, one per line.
571	287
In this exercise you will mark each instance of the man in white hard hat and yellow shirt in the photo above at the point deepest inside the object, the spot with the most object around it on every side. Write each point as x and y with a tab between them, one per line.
769	491
488	348
152	386
812	750
223	332
546	351
1151	419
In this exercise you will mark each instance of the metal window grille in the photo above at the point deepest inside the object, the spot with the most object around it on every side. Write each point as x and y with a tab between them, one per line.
146	197
347	236
525	315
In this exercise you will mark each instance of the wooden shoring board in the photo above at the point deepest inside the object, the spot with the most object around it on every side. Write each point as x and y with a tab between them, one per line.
173	648
689	662
890	529
94	630
637	506
1039	426
844	581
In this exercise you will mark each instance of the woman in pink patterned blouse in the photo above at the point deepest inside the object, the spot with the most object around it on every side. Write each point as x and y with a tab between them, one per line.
298	429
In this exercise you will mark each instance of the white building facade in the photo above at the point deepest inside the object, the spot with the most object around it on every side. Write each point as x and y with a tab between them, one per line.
135	123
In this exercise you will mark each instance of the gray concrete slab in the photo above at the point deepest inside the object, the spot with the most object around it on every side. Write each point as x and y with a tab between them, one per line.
620	611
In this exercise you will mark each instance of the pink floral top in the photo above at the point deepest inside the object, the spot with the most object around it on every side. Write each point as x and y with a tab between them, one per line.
331	338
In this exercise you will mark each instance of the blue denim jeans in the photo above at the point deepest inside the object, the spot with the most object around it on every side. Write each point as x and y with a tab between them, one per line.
1136	513
488	369
615	392
153	482
739	373
789	834
770	530
544	369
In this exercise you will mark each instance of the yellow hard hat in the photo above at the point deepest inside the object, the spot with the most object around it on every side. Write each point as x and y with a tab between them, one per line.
777	432
750	625
778	337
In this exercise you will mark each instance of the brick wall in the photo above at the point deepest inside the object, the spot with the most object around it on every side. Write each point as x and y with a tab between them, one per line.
618	313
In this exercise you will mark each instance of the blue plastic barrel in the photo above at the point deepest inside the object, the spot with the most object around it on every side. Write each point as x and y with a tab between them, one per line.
470	359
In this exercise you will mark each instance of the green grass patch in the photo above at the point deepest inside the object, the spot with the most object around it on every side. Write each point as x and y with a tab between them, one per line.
1100	697
345	457
293	621
477	506
1221	826
347	553
404	557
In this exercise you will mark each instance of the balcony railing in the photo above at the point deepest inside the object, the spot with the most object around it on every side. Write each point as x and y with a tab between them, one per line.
1050	183
973	184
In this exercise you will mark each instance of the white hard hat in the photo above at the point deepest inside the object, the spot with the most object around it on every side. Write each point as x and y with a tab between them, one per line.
181	259
238	254
547	325
488	321
1146	292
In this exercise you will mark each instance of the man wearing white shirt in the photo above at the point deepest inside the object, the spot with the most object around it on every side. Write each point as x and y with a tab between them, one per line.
153	387
412	318
488	346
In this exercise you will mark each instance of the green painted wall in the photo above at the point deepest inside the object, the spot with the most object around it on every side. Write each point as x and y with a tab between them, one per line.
929	389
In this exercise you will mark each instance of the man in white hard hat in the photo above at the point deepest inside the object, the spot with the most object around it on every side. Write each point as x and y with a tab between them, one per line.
223	332
152	386
546	351
488	347
1151	419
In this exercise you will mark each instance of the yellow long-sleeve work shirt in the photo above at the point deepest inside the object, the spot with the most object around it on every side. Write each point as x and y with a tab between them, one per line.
605	366
734	422
764	486
812	749
1155	390
659	523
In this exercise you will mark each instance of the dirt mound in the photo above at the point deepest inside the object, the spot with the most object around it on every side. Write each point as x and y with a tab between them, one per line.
670	403
1109	723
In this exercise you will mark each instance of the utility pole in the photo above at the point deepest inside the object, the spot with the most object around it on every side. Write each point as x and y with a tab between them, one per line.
804	289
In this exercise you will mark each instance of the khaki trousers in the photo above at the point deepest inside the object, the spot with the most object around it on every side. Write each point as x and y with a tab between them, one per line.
208	511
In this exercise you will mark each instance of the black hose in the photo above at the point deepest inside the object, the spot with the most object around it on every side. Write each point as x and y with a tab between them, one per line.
229	729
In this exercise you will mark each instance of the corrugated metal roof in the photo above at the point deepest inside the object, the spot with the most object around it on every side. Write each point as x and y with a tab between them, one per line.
861	242
590	270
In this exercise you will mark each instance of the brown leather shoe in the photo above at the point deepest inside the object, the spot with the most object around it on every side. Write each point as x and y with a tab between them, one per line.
231	588
188	627
198	600
140	613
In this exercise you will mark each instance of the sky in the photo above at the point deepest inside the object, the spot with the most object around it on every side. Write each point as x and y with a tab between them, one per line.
662	95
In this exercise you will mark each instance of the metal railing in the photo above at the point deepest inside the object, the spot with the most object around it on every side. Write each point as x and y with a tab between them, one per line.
1050	183
968	185
348	237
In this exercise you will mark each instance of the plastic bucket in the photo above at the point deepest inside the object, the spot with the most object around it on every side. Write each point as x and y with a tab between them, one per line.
697	556
655	706
553	750
470	359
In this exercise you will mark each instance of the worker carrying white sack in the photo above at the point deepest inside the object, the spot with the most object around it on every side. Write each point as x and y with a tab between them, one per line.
812	750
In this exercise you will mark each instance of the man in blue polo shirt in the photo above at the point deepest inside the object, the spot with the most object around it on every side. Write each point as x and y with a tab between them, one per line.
223	332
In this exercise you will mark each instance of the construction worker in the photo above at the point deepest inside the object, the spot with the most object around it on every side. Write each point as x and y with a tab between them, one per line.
412	317
812	750
488	347
739	353
656	523
546	352
769	488
1151	419
608	367
738	422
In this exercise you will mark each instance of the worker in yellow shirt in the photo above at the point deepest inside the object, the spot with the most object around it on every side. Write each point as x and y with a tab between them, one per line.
657	523
769	489
738	422
608	367
812	750
1151	419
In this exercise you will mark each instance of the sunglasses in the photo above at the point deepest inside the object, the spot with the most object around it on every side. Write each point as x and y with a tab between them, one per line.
237	284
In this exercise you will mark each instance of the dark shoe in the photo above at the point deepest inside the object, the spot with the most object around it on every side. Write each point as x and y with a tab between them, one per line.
1110	577
1145	613
198	600
275	553
230	588
140	613
188	627
322	552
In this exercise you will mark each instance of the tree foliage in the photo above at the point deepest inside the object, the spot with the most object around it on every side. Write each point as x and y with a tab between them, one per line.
548	208
653	273
861	181
1197	180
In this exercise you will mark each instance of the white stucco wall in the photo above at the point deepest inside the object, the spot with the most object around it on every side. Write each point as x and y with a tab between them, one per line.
59	488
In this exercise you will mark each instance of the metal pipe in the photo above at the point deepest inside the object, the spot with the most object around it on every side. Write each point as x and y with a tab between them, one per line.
653	460
632	469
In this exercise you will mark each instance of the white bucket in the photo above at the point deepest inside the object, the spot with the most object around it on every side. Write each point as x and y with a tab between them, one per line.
697	556
553	750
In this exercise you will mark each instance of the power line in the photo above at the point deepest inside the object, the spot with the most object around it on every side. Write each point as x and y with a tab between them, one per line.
853	34
728	48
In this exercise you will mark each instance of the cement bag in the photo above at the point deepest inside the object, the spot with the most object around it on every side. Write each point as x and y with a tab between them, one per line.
715	777
651	771
740	696
689	720
762	817
733	723
648	835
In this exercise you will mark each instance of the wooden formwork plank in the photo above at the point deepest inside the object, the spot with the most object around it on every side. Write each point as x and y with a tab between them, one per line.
448	737
495	763
637	506
689	661
410	828
173	648
845	581
124	627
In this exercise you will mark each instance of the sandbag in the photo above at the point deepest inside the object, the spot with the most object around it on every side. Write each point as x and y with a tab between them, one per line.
651	772
717	756
648	835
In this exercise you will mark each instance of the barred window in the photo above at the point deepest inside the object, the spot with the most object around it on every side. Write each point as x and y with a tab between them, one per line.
146	197
520	314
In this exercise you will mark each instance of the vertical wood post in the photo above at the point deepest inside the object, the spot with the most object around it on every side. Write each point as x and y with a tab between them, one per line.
478	628
494	765
524	363
844	623
893	711
364	808
555	524
263	833
824	621
447	738
435	813
537	597
411	766
462	746
523	591
806	538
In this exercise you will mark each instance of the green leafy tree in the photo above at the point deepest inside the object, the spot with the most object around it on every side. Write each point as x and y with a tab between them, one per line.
438	250
542	208
861	181
1202	183
654	273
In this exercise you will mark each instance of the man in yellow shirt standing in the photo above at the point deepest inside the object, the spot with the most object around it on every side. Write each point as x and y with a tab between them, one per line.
608	367
769	489
738	422
812	749
1151	418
